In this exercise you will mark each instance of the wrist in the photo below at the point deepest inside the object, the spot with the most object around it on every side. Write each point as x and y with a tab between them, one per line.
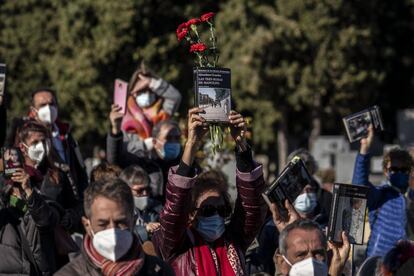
242	145
364	150
115	130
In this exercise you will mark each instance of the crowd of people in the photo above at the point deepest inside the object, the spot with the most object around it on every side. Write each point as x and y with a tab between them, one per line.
149	207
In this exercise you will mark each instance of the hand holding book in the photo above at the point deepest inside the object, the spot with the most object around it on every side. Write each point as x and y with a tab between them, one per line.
282	221
367	142
340	255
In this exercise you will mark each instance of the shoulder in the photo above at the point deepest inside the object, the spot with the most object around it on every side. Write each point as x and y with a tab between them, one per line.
78	266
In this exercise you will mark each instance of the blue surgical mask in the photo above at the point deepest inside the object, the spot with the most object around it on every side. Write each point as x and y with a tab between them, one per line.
170	151
306	203
399	180
210	228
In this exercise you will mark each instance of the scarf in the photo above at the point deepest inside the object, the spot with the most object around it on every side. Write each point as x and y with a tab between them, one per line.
140	121
220	259
130	264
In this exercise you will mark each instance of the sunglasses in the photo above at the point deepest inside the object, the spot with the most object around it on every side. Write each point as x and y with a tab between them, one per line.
398	169
210	210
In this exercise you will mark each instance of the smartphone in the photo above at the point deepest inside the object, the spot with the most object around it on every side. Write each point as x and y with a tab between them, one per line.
12	160
120	94
2	78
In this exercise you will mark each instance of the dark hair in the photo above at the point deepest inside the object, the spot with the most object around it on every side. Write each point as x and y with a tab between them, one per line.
30	126
307	158
135	174
114	189
104	171
208	181
304	224
141	70
398	255
397	153
43	89
327	175
157	128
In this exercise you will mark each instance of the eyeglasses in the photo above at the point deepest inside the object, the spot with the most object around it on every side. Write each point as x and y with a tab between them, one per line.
210	210
398	169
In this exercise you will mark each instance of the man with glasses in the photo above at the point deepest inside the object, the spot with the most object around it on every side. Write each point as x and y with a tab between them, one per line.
386	203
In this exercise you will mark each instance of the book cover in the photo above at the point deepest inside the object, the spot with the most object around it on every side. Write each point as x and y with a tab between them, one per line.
348	211
212	87
12	160
289	184
357	124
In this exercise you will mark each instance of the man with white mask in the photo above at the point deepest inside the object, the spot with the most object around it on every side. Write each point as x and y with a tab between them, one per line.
147	209
110	247
44	109
303	249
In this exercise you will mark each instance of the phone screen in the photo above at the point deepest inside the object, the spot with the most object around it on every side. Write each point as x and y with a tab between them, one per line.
120	94
2	78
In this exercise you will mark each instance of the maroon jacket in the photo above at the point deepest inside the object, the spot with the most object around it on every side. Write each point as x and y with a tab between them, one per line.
174	241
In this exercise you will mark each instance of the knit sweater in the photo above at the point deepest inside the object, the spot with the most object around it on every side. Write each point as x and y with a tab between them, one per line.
386	210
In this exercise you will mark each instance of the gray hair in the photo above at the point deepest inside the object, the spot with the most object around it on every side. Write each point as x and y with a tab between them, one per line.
135	174
304	224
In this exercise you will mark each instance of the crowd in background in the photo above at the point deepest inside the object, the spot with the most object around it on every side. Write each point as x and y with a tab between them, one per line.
147	206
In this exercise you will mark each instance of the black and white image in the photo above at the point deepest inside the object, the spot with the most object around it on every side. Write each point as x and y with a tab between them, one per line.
348	213
289	184
357	124
215	102
212	88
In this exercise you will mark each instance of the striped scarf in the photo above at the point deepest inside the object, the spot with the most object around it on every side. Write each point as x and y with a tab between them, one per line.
130	264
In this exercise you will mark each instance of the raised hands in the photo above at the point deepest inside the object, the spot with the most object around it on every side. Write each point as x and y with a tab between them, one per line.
237	127
115	116
197	128
282	221
142	84
22	177
340	255
366	142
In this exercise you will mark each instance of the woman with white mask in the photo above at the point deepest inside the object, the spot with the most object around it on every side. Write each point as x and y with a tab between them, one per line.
146	208
199	234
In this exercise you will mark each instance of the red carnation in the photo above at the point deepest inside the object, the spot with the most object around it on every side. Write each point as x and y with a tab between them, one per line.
182	31
205	17
193	21
198	47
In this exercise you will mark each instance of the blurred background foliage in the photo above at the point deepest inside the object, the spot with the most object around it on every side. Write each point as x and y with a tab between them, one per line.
297	66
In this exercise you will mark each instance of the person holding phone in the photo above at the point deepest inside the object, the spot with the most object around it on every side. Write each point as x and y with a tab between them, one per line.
193	236
27	222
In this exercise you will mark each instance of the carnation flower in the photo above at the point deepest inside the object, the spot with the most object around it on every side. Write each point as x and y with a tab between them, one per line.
193	21
205	17
198	47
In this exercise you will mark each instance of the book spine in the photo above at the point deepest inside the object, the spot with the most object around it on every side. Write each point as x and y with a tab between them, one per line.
195	76
347	130
332	217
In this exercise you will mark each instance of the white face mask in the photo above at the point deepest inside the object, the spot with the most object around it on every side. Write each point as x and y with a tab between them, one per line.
211	228
37	152
307	267
306	202
47	114
112	243
145	99
141	202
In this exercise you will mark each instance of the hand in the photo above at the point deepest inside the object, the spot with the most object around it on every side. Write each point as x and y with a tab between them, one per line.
116	119
197	128
279	220
23	178
340	255
366	142
142	84
238	127
152	226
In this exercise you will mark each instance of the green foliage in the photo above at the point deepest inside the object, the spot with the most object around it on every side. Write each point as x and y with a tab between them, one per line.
291	60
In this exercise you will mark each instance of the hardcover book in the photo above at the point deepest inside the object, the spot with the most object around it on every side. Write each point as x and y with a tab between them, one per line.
348	211
212	87
357	124
288	185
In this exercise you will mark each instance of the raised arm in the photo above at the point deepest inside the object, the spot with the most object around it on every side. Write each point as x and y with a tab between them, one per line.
250	207
362	162
165	90
175	214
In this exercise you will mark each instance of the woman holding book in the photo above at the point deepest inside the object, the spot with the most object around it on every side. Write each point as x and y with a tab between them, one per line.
193	236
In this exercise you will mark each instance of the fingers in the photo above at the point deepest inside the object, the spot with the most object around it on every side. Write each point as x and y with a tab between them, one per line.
195	110
275	212
345	239
291	209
